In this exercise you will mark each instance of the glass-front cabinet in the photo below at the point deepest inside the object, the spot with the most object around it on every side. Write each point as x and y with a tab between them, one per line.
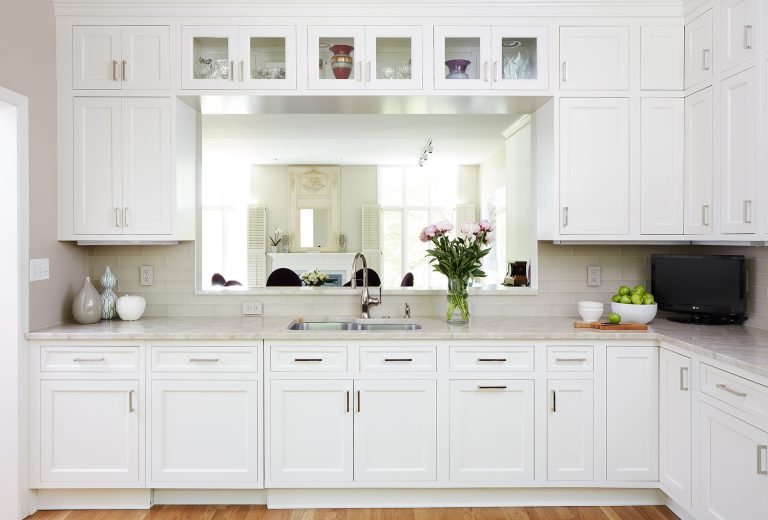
477	58
349	57
221	57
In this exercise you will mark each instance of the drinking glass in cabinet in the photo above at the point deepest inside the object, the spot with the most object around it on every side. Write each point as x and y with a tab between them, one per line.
337	58
212	60
462	58
518	58
267	57
393	58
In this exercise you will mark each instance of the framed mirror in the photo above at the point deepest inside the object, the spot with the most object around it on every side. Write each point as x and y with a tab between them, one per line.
314	208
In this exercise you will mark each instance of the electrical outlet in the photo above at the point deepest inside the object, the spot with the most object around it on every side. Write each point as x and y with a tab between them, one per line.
38	269
146	275
593	276
253	309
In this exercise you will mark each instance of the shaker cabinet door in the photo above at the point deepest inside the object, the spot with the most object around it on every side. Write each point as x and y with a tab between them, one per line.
146	60
698	163
96	57
570	430
698	50
594	58
675	436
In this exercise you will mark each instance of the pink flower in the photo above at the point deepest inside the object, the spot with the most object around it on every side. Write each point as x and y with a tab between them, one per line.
470	228
443	226
485	225
427	233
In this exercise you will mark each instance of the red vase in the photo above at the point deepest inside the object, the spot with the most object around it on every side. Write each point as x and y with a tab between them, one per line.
342	61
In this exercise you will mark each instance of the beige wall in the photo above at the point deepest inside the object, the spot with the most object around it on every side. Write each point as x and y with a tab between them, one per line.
28	67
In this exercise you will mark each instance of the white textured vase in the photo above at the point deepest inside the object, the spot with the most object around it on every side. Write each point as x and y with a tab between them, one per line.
108	298
86	307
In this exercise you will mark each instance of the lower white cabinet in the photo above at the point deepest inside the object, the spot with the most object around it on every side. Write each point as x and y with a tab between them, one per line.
204	431
311	431
570	430
675	437
89	431
632	413
491	430
734	466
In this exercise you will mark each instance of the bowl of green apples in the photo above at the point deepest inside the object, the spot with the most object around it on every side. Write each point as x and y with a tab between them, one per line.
634	305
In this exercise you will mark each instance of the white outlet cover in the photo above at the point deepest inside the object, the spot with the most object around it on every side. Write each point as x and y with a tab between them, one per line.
593	276
252	309
146	275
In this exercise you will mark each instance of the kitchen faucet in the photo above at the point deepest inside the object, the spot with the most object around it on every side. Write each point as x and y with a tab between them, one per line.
366	300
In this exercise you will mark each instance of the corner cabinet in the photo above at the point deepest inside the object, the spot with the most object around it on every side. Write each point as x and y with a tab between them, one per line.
698	50
738	32
122	166
675	426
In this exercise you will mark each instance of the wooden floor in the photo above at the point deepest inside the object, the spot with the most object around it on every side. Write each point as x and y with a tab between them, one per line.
261	513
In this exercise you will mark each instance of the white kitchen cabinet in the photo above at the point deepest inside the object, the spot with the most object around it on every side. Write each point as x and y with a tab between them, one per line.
311	433
594	58
122	166
113	57
675	428
698	50
491	430
267	57
698	163
395	431
738	129
594	166
662	57
469	43
89	431
738	32
208	57
381	57
632	413
662	174
734	468
570	430
204	431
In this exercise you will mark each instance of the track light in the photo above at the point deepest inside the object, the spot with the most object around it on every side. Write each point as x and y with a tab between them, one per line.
428	149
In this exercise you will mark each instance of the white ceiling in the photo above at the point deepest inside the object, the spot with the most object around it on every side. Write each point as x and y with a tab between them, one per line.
353	138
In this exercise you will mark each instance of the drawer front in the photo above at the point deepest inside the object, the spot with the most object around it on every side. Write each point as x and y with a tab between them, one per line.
377	359
491	359
745	395
205	359
89	359
308	359
570	358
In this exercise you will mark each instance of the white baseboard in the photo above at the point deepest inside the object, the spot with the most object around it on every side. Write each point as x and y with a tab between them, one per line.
679	510
210	497
94	499
519	497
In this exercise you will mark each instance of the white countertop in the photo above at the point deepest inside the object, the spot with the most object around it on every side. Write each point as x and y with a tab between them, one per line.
738	345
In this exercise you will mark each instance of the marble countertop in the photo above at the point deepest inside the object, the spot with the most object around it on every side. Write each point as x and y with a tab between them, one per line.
738	345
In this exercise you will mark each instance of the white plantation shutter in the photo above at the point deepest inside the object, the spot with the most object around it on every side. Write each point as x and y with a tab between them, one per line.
257	246
371	239
463	213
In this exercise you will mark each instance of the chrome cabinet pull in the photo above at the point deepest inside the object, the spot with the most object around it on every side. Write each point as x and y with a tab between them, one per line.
231	70
760	450
306	360
554	401
117	217
573	359
358	401
114	70
203	360
125	216
565	71
747	211
359	71
705	215
704	53
125	66
347	409
725	388
491	387
684	379
407	360
565	216
747	36
131	409
368	71
495	71
491	360
485	71
88	360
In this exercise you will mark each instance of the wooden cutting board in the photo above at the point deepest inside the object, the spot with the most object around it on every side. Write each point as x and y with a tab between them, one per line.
609	326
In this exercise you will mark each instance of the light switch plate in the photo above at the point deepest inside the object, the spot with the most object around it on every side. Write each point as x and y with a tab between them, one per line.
146	275
39	269
593	276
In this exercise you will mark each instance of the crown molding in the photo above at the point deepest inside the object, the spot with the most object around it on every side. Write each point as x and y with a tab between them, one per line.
518	125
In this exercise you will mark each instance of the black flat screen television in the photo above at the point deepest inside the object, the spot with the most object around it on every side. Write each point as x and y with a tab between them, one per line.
707	288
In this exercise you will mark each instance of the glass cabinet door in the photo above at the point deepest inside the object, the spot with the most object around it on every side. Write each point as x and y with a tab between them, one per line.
209	57
462	57
520	58
335	57
393	58
267	57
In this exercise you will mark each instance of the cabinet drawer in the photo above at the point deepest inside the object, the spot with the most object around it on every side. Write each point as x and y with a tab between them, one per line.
570	358
374	359
205	359
735	390
308	359
491	359
89	359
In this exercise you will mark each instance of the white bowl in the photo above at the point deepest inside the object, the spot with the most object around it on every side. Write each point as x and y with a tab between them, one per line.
631	313
591	314
590	305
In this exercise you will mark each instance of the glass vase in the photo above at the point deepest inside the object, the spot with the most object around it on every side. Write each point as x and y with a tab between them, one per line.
458	301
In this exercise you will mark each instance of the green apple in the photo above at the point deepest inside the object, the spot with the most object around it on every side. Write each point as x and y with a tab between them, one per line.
636	299
625	299
614	318
648	299
624	290
616	298
638	289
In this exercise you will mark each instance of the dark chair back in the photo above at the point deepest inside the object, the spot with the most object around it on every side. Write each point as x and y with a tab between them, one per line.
283	277
373	278
407	280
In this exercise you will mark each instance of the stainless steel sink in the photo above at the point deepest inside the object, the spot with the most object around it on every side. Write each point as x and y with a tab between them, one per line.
342	324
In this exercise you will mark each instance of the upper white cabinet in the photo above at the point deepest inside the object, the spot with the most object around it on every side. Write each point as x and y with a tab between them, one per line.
632	413
675	428
734	468
122	166
698	50
370	57
247	57
594	58
498	57
698	163
491	430
738	129
114	57
662	57
570	430
594	166
738	32
661	166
